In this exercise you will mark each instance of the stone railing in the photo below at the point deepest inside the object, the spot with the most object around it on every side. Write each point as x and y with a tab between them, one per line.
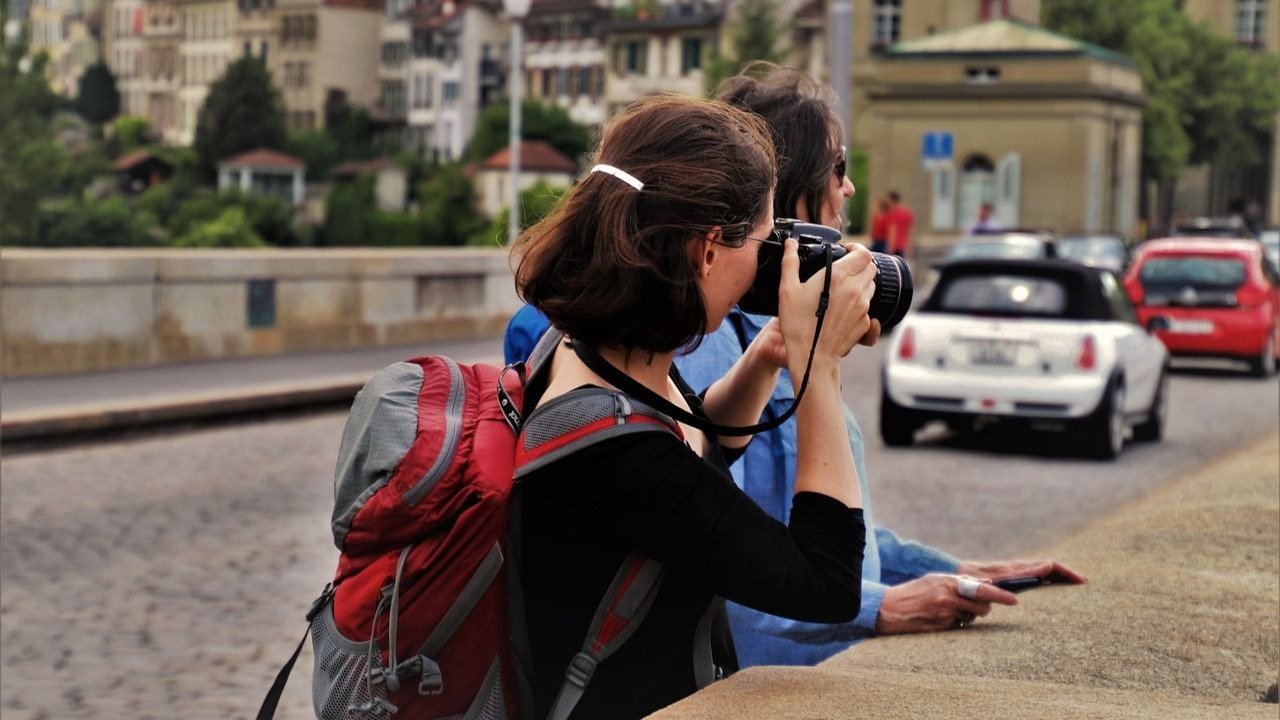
73	311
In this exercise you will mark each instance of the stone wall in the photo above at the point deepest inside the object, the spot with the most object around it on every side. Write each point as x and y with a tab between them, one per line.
73	311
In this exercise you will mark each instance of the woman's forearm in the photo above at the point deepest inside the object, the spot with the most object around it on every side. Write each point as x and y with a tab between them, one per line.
824	460
739	397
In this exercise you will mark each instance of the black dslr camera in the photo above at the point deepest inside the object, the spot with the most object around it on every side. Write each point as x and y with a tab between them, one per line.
894	288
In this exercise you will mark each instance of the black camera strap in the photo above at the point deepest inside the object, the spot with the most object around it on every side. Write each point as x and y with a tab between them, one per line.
634	388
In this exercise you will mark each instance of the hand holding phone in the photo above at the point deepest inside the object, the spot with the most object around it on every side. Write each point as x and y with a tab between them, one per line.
1017	585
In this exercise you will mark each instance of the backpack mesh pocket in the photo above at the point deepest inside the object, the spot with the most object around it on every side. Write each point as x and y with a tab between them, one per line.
342	687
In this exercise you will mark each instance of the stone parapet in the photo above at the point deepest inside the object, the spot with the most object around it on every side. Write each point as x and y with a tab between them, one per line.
75	311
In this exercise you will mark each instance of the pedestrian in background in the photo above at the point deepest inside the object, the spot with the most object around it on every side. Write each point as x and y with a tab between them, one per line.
901	222
987	222
880	226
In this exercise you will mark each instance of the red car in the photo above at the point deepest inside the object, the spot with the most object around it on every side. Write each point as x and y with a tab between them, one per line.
1209	297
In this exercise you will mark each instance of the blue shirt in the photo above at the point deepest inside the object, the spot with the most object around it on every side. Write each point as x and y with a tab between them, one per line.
766	472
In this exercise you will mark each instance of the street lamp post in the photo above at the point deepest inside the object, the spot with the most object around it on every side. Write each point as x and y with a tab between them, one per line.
516	10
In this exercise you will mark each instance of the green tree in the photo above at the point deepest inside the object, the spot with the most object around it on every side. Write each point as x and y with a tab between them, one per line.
536	202
130	133
756	34
243	111
270	218
30	162
448	207
94	223
1207	98
98	100
538	121
231	228
349	211
318	149
860	176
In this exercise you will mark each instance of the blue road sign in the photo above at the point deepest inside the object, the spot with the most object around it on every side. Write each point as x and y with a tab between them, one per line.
936	146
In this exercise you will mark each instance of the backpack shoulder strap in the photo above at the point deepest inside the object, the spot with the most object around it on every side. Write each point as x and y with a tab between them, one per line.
582	418
618	616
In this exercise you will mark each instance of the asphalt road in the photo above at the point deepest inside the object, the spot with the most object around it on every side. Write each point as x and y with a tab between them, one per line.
167	576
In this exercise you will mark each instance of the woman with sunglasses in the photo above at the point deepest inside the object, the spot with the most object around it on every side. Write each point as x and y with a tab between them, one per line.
646	254
906	587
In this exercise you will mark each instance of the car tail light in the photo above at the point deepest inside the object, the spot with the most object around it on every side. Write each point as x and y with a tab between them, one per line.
1088	358
1134	288
907	350
1249	297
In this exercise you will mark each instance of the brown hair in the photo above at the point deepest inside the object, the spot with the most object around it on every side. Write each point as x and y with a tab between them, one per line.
804	126
612	265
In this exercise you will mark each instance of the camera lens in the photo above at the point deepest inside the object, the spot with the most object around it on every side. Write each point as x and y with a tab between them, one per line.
894	290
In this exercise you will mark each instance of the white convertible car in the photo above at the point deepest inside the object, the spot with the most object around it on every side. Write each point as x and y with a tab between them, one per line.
1047	342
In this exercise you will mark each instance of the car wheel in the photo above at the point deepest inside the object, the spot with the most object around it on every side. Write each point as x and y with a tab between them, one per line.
897	424
1265	364
1103	431
1152	428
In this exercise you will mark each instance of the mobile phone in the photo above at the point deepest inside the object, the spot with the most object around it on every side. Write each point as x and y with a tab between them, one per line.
1015	585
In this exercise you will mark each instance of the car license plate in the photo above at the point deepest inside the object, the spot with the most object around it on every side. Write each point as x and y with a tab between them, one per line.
993	352
1191	327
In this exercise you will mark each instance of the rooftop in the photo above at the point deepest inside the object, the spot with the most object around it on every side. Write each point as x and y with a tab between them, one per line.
265	158
1006	36
535	156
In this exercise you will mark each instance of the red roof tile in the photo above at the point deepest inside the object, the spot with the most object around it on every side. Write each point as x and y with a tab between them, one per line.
134	158
535	156
265	158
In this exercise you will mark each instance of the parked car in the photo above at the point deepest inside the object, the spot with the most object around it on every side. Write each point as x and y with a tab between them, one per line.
1109	251
1221	227
1012	245
1271	246
1218	298
1044	342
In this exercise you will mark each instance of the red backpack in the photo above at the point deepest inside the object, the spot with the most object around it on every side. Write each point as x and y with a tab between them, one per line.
423	618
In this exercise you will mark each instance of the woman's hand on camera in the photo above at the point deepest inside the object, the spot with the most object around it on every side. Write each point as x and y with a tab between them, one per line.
873	334
769	345
846	322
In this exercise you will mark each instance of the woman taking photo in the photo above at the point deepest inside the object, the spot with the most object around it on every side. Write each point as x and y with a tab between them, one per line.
645	255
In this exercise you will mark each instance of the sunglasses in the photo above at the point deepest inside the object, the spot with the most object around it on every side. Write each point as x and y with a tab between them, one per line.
842	163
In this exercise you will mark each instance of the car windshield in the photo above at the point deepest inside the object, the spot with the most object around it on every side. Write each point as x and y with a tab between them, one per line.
1003	295
1015	248
1201	273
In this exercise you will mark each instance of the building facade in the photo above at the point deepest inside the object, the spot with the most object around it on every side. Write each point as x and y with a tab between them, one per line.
659	47
208	47
327	49
1045	128
69	32
565	57
162	36
124	49
457	70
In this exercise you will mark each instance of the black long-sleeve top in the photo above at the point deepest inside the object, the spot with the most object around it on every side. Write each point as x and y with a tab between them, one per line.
649	492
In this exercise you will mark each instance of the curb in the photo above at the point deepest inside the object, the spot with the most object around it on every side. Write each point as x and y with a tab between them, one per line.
139	413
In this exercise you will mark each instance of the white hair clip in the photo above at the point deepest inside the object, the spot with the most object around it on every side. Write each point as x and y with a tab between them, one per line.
622	175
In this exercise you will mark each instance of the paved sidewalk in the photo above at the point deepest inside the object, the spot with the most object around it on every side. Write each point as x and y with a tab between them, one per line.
56	406
1179	620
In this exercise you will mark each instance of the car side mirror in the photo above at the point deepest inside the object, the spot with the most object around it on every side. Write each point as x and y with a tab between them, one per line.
1158	323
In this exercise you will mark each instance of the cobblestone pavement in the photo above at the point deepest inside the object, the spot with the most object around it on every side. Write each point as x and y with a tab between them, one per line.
167	576
164	577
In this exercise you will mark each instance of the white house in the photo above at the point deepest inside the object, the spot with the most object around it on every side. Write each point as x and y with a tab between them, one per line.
265	172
